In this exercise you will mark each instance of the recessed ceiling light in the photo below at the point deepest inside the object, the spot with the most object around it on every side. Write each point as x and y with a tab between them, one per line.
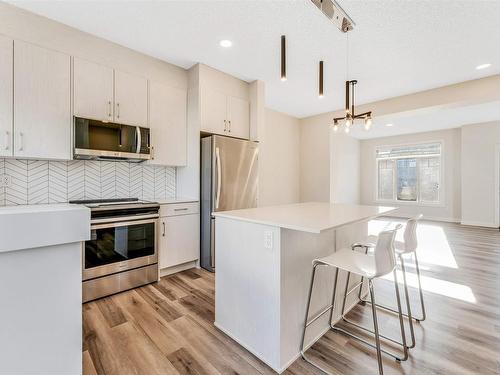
389	125
225	43
483	66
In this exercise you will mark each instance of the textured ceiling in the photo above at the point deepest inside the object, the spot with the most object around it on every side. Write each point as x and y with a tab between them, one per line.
397	47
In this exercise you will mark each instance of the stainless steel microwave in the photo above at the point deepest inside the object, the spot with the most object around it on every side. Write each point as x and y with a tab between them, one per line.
110	141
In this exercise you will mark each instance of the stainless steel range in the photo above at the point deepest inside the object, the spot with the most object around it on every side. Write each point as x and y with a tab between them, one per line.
122	251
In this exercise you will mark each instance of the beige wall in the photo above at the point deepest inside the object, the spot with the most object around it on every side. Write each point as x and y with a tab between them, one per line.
315	159
480	174
279	160
344	169
450	182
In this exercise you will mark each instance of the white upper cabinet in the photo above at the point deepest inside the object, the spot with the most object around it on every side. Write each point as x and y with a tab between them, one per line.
93	90
239	117
213	111
224	114
131	99
168	124
6	95
42	105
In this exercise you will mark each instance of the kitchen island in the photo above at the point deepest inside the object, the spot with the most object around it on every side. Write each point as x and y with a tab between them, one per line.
41	288
263	263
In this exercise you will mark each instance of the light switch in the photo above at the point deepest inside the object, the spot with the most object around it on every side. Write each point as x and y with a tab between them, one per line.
268	239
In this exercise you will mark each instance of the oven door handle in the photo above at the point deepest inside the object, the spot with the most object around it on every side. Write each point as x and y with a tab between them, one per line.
122	222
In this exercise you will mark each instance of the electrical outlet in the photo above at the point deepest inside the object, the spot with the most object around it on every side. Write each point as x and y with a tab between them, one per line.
268	239
5	180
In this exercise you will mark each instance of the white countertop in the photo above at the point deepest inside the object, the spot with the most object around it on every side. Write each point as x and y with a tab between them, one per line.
313	217
32	226
173	200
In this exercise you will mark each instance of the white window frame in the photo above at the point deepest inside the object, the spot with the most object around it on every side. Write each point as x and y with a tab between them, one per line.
395	201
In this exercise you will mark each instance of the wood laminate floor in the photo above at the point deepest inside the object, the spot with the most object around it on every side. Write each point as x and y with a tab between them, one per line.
166	327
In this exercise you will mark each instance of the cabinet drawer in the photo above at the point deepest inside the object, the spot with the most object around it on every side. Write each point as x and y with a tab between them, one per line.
176	209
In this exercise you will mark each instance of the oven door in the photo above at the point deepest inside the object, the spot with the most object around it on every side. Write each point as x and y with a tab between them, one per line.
119	246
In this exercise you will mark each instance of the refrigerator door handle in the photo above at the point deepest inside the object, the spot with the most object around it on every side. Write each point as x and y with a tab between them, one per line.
218	167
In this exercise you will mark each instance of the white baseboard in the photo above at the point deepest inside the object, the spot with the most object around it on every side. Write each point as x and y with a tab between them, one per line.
178	268
479	224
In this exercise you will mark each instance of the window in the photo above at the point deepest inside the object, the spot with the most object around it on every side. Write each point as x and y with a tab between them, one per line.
409	173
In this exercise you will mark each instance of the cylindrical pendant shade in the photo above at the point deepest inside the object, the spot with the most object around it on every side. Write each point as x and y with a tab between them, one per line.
321	93
283	58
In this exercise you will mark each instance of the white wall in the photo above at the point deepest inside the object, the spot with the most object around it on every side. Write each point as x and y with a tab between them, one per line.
479	172
450	209
345	169
279	160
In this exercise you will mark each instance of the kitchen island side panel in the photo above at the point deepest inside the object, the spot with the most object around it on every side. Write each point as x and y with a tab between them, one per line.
247	285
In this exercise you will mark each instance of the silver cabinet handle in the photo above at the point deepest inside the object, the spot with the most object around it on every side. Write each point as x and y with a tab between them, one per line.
163	225
21	141
117	110
181	209
152	148
229	126
7	140
225	125
109	109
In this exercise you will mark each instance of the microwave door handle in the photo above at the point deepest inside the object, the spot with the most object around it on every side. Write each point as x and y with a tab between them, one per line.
138	137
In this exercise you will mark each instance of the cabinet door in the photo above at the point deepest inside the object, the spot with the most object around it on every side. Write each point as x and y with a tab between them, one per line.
131	99
239	117
182	240
93	90
42	106
6	93
168	124
213	111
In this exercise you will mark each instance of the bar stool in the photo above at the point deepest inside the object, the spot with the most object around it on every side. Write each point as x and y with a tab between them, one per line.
409	246
369	267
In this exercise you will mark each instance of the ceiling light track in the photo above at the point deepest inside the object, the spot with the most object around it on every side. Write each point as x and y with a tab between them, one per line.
334	12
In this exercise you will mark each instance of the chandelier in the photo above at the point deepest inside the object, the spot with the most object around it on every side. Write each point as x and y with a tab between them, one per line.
350	115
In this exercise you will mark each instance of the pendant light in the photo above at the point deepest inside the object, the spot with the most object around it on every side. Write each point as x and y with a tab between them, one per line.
350	108
320	93
283	58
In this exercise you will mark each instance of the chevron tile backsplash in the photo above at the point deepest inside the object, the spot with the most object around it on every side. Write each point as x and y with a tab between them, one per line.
37	181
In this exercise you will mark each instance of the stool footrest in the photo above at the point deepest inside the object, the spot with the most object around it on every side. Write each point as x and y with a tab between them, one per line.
390	309
319	315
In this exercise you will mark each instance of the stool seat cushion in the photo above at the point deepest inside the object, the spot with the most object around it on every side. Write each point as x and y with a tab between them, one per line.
351	261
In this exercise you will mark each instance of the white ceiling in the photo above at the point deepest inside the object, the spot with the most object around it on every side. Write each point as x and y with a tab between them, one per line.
397	47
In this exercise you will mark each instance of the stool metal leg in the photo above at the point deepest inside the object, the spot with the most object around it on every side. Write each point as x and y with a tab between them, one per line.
420	290
401	322
407	296
387	308
307	323
375	327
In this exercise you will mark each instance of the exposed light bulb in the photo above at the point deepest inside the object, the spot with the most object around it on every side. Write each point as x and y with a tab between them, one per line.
368	123
347	129
335	128
348	123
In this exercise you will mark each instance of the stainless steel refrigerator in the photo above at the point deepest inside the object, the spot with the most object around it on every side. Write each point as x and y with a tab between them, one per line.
229	181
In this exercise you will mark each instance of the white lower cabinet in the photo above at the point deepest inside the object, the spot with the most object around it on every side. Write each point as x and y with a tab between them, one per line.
179	240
